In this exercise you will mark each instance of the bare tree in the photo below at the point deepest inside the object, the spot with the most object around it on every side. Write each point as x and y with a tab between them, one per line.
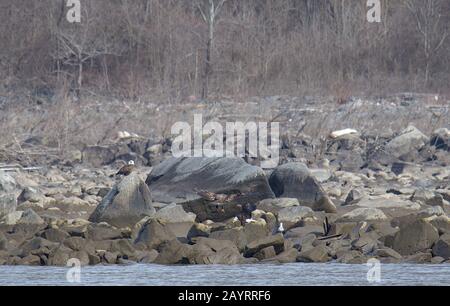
431	26
209	9
79	43
178	48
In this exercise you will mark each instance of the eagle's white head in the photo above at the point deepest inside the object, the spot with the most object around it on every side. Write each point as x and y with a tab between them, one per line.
131	163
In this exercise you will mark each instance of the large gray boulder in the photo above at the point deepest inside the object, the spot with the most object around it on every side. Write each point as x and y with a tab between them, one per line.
207	251
176	219
276	241
275	205
442	247
30	217
177	180
8	197
292	216
153	234
174	252
319	253
294	180
363	214
126	203
409	141
415	237
235	235
97	156
441	139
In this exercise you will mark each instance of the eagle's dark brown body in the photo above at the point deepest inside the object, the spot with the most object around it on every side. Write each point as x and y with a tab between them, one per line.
217	197
126	170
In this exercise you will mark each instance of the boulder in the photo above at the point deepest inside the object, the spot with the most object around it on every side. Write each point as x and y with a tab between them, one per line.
342	228
415	237
321	175
427	197
431	212
81	244
288	256
124	248
59	256
176	219
363	214
30	246
387	252
350	160
102	231
319	253
8	197
7	183
174	252
97	156
149	256
442	223
178	180
30	217
3	242
125	204
266	253
235	235
441	139
55	235
437	260
409	141
253	247
82	256
366	243
353	197
12	218
226	256
275	205
109	258
256	230
292	216
294	180
442	247
30	260
387	201
30	194
349	257
303	231
419	258
211	251
153	234
199	230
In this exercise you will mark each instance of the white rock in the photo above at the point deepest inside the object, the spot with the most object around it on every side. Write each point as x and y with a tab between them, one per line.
337	134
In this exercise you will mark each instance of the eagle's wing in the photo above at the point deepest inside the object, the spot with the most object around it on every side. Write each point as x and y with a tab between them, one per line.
125	170
207	195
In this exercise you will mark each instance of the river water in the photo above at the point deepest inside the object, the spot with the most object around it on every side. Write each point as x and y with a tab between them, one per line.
298	274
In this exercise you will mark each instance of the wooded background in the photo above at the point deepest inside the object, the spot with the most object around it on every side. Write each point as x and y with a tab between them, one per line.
183	48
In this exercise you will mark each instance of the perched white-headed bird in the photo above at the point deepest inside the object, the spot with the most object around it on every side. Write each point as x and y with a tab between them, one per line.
127	169
281	228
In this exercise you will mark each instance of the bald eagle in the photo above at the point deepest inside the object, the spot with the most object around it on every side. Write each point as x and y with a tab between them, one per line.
217	197
127	169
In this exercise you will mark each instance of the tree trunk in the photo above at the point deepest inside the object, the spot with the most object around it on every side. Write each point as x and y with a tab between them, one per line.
80	78
207	72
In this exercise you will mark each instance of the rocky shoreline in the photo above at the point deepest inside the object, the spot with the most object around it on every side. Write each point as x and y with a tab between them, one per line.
384	197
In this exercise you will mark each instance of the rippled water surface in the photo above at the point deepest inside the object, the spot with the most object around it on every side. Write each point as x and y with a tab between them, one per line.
271	275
